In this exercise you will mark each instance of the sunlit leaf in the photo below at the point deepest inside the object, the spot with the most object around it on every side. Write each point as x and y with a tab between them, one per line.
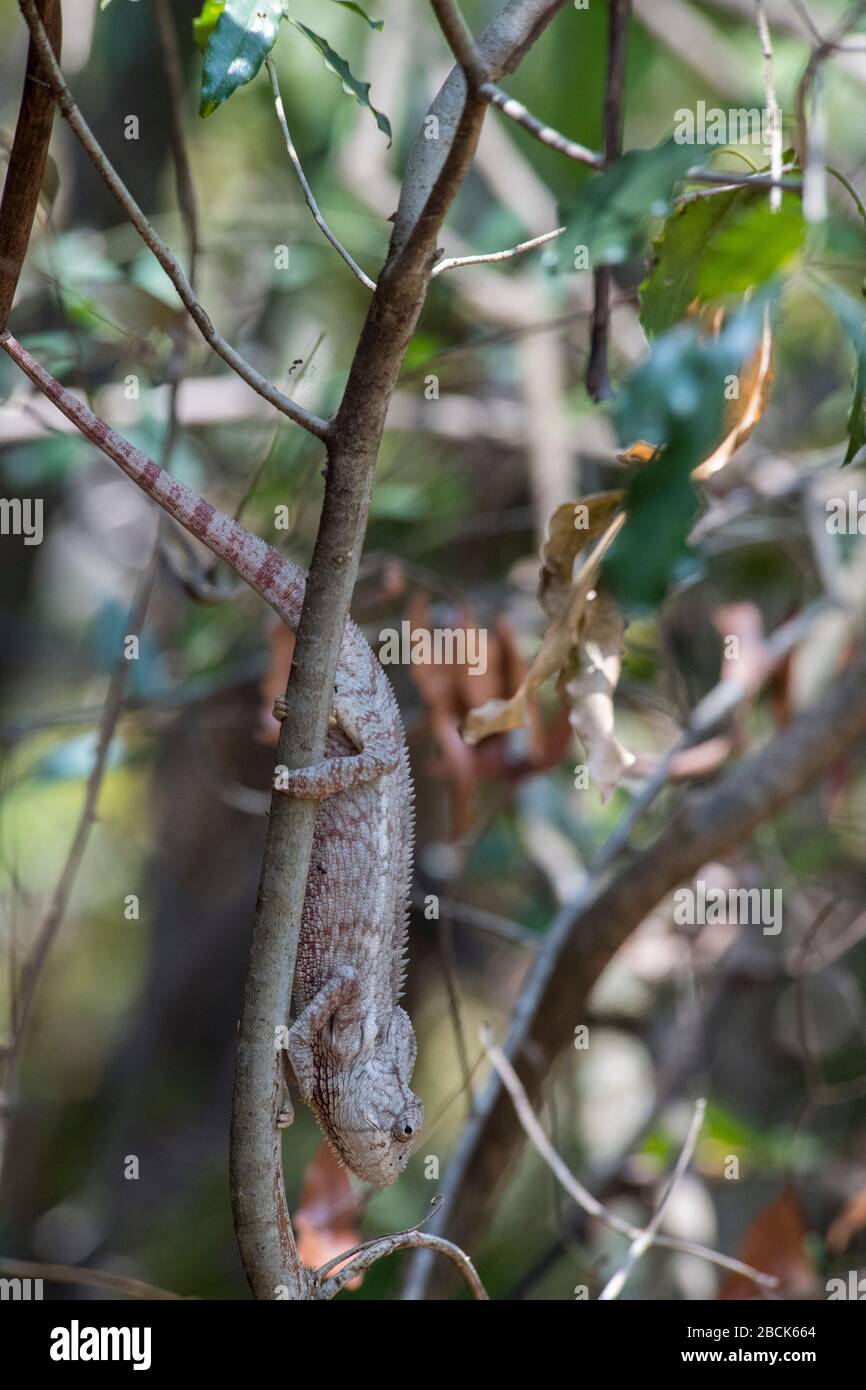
241	39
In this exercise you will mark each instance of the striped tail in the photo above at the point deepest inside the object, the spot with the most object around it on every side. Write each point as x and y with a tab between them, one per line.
279	581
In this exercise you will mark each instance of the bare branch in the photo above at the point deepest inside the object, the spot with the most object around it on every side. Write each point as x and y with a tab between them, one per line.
405	1240
639	1246
149	236
576	1190
454	262
305	187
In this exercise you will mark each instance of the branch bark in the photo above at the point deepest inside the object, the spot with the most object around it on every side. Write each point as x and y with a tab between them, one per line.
587	934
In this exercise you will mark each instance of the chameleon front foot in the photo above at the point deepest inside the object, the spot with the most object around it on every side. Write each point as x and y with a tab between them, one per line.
280	707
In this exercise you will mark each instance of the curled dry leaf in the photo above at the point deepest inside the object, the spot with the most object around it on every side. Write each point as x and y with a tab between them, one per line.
743	414
582	641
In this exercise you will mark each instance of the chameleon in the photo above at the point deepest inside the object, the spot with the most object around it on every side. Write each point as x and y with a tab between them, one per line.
351	1046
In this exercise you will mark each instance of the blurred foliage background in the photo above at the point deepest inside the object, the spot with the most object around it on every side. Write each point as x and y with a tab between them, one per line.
131	1047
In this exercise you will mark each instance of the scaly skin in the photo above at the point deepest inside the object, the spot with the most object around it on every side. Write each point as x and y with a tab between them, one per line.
352	1047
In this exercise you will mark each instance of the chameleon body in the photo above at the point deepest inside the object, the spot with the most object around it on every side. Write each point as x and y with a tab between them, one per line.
352	1047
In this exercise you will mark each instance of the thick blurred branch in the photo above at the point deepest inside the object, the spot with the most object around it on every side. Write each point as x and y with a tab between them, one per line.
27	161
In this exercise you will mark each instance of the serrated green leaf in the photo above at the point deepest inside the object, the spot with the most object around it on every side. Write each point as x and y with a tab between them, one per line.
359	10
205	23
611	216
242	38
337	65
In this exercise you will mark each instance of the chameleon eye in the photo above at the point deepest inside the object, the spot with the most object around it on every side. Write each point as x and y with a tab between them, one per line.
403	1128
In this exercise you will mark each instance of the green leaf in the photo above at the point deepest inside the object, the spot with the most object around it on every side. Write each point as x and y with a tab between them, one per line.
850	314
242	38
611	216
675	400
857	414
351	86
204	25
672	284
359	10
752	249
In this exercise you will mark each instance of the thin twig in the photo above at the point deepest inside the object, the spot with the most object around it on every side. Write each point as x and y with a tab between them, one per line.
435	1204
149	236
305	187
517	112
590	1204
770	104
639	1246
406	1240
486	257
468	55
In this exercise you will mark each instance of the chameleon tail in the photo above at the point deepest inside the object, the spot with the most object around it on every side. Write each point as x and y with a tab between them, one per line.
279	580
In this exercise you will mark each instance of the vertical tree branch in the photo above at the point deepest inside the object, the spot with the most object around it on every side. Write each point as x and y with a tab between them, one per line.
619	12
261	1216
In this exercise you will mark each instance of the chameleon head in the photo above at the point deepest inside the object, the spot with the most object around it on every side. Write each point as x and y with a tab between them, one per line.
376	1118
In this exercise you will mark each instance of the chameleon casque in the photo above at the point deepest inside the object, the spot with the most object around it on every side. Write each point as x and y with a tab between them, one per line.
352	1047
